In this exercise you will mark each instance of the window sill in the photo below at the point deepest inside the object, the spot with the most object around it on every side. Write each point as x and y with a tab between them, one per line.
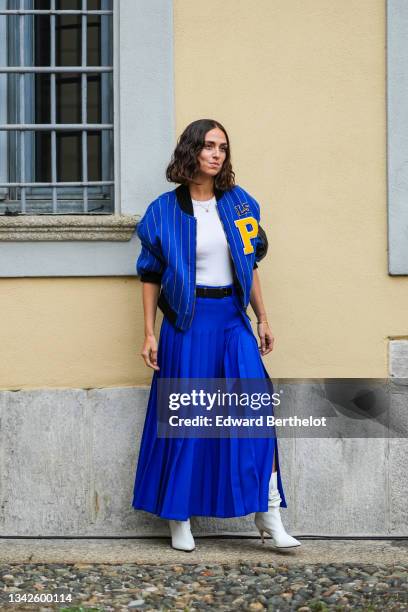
117	228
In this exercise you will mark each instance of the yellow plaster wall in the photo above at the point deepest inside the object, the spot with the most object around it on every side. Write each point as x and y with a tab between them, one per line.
300	86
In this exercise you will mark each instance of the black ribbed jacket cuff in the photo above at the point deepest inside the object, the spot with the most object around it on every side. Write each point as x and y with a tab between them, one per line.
151	277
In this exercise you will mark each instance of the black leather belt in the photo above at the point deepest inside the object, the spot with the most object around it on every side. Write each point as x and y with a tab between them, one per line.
213	292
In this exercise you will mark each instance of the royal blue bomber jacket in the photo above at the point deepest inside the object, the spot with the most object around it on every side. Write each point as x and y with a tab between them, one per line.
168	231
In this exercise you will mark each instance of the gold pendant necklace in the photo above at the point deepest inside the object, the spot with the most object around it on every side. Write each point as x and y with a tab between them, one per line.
202	205
205	208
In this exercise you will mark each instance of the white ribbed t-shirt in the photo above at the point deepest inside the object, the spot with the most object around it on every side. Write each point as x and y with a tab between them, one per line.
214	265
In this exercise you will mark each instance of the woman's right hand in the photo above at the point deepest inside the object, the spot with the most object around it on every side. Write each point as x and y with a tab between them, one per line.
149	352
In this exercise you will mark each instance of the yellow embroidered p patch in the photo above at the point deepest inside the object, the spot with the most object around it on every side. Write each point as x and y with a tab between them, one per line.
247	234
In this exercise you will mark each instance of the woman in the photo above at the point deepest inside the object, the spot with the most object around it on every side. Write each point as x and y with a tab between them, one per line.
200	246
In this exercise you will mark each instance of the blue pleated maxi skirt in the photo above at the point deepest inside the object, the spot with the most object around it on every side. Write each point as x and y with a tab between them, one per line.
177	478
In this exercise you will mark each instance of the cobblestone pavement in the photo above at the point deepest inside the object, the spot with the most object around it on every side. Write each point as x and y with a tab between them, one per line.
248	586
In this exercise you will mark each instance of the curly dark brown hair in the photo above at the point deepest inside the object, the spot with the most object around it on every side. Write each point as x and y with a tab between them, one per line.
183	166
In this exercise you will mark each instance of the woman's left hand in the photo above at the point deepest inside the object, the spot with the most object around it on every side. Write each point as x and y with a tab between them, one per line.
266	337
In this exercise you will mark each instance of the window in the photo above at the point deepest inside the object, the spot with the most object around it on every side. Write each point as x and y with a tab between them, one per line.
102	241
56	107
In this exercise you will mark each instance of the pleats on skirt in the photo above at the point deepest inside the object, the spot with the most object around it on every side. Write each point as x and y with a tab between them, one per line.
177	478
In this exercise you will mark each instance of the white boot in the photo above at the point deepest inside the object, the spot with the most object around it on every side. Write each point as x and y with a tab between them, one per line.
181	536
271	521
